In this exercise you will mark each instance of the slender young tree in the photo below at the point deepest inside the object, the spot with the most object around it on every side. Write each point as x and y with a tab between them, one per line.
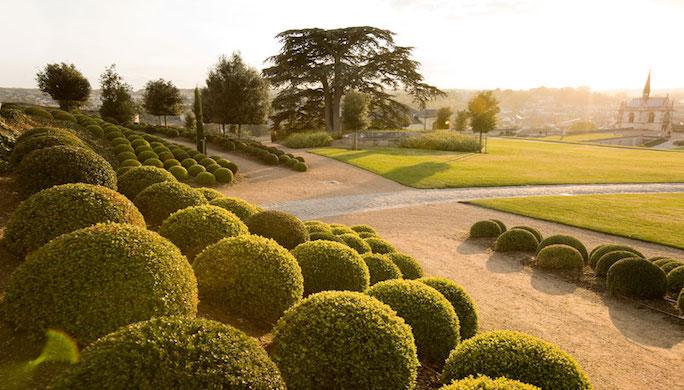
461	120
482	111
117	102
442	120
162	98
355	113
199	122
65	84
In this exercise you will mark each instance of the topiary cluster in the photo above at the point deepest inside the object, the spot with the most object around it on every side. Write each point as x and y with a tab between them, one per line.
158	201
601	250
136	180
516	356
173	353
237	206
92	281
250	276
380	246
516	240
344	340
486	228
40	140
409	267
637	278
63	209
610	258
565	240
559	256
286	229
381	268
461	302
433	321
483	382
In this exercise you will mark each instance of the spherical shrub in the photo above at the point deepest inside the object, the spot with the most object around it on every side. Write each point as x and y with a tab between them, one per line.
250	276
139	142
188	162
110	135
172	162
155	162
409	267
130	163
271	159
48	167
173	353
500	223
380	268
363	228
355	242
670	266
461	302
123	156
483	382
328	265
516	356
124	148
158	201
317	227
312	344
224	175
339	230
213	167
166	156
565	240
207	161
300	167
610	258
378	245
147	154
63	116
537	233
315	236
206	179
120	141
39	112
195	170
137	179
516	240
485	228
602	250
179	172
432	318
209	193
123	170
365	235
237	206
662	261
95	130
92	281
559	256
637	278
285	228
142	149
675	280
28	145
194	228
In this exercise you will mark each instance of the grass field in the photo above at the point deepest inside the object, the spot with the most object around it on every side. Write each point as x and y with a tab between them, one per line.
516	162
657	218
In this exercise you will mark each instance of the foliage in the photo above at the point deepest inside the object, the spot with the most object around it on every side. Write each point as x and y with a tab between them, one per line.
433	321
117	102
308	140
29	144
461	120
158	201
39	112
63	116
250	276
137	179
441	140
516	240
537	233
286	229
636	277
559	256
598	252
482	112
174	352
363	228
462	303
311	344
237	206
565	240
206	179
381	268
197	109
610	258
209	193
378	245
680	302
355	106
485	228
62	284
482	382
675	280
224	175
409	267
355	242
162	98
65	84
516	356
442	120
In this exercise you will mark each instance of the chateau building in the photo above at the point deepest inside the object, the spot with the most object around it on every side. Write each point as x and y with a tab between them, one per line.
652	114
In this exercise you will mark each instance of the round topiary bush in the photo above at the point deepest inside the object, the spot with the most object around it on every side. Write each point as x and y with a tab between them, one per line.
158	201
63	209
537	233
285	228
559	256
179	172
173	353
300	167
667	267
500	223
483	382
433	321
120	141
598	252
125	149
28	145
485	229
224	175
516	240
39	112
209	193
517	356
378	245
380	268
172	162
565	240
130	163
312	344
328	265
250	276
122	170
64	283
55	165
123	156
409	267
338	230
206	179
214	167
147	154
196	169
675	280
315	236
610	258
662	261
637	278
207	161
462	303
194	228
166	155
138	179
363	228
355	242
237	206
188	162
63	116
317	227
155	162
95	130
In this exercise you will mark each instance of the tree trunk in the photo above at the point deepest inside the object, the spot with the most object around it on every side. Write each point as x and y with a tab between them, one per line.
164	120
480	141
239	131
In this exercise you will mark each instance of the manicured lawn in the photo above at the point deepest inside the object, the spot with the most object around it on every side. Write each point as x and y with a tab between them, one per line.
655	218
516	162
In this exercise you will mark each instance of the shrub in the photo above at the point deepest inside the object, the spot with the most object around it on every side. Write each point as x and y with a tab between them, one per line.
433	321
610	258
559	256
124	148
120	141
486	228
155	162
365	235
39	112
165	155
179	172
680	302
173	352
147	154
565	240
28	145
300	167
516	240
196	170
675	280
636	277
213	167
207	161
123	156
63	116
48	167
339	229
237	206
355	242
602	250
311	344
537	233
209	193
188	162
63	209
172	162
95	130
329	265
442	140
138	179
316	236
378	245
317	227
662	261
122	170
206	179
363	228
224	175
194	228
62	285
130	163
285	228
380	268
463	305
670	266
158	201
250	276
483	382
308	140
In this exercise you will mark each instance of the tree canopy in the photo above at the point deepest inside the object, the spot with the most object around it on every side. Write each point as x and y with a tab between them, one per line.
316	67
482	111
117	103
162	98
461	120
355	111
65	84
443	118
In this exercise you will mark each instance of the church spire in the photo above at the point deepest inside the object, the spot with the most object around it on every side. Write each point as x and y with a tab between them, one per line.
647	87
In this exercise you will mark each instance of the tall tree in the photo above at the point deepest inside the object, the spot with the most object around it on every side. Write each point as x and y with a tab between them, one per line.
65	84
482	111
443	118
461	120
317	65
199	122
117	102
355	113
162	98
236	93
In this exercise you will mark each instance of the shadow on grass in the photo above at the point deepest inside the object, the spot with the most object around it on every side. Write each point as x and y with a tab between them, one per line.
505	263
413	174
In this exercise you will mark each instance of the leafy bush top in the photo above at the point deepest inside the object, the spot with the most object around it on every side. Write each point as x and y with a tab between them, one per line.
637	278
565	240
409	267
134	181
675	280
516	240
381	268
355	242
29	144
237	206
462	303
610	258
158	201
286	229
483	382
559	256
605	248
378	245
485	228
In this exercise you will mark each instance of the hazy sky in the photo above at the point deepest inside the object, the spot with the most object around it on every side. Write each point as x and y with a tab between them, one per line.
473	44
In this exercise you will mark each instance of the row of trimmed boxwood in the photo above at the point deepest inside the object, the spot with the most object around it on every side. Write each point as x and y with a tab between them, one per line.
267	154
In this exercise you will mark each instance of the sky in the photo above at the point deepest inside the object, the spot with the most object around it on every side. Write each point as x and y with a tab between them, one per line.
464	44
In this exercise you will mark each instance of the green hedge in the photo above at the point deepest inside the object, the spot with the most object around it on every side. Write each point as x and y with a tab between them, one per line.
381	268
63	284
339	229
442	140
610	258
483	382
637	278
409	267
224	175
158	201
462	303
237	206
667	267
516	240
515	356
380	246
355	242
308	140
601	250
63	116
433	321
675	280
560	256
173	353
485	229
138	179
565	240
250	276
286	229
344	340
206	179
